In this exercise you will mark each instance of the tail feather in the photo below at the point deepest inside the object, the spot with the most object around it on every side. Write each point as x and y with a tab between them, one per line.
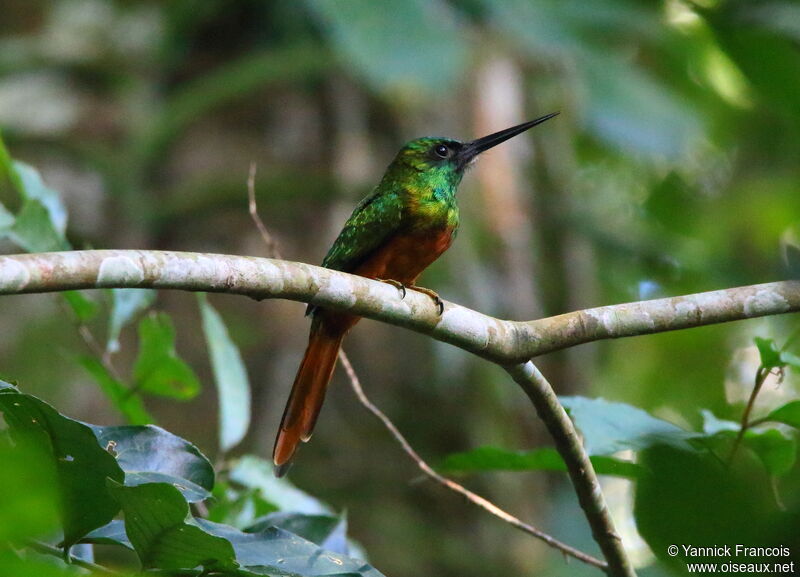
308	393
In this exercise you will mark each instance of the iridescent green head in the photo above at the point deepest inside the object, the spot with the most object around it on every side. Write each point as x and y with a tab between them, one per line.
445	157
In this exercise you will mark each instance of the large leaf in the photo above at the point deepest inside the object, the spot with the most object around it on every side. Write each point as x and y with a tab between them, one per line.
327	531
150	454
256	473
776	450
42	219
484	459
156	523
769	59
277	552
233	388
126	304
80	465
694	498
40	225
609	427
159	527
788	414
28	484
406	48
33	231
127	402
111	534
158	369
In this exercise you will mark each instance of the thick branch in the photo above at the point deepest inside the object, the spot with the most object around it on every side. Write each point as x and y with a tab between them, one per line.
580	469
504	342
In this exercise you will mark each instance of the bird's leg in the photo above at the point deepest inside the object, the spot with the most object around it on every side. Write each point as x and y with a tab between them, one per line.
433	294
396	284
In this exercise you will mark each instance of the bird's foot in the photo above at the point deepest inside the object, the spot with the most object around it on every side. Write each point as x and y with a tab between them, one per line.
396	284
433	294
402	288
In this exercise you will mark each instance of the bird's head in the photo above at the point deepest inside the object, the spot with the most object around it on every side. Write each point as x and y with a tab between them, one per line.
448	156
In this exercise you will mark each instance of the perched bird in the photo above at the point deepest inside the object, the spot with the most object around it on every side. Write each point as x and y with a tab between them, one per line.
393	235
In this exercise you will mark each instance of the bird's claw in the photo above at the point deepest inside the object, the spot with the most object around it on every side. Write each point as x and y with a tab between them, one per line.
396	284
433	294
402	288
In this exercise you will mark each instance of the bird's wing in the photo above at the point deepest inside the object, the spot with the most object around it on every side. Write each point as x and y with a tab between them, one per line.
372	222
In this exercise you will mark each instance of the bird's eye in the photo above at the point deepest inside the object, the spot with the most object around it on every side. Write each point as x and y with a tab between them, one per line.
441	151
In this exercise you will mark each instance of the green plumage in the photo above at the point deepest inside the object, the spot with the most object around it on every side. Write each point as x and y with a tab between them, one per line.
417	192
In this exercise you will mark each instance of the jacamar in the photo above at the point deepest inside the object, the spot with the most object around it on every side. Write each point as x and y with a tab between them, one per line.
393	235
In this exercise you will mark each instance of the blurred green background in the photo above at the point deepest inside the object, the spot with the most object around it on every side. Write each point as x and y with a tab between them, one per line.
673	168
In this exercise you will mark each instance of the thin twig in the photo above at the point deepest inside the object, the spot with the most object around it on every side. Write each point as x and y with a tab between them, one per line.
580	469
56	552
761	376
94	347
452	485
269	240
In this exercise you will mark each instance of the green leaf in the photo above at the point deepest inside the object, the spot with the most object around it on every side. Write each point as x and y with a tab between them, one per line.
6	220
33	231
750	46
485	459
278	552
84	308
13	565
32	187
691	497
41	223
158	369
769	353
777	451
714	426
126	304
609	427
127	402
384	41
28	484
256	473
233	388
239	508
150	454
112	533
788	414
790	359
156	523
327	531
80	465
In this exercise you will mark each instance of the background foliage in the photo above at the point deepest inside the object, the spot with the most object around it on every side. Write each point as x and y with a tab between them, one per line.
672	169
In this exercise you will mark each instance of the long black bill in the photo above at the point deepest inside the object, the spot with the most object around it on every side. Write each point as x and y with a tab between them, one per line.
474	148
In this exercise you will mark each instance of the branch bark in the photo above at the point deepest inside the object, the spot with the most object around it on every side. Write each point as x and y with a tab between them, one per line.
580	468
501	341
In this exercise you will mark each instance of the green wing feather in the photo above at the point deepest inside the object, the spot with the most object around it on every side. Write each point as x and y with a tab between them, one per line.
372	222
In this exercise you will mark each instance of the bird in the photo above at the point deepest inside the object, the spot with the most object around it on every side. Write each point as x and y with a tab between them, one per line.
393	235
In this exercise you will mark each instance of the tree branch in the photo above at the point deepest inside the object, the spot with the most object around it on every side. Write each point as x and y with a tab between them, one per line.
500	341
580	469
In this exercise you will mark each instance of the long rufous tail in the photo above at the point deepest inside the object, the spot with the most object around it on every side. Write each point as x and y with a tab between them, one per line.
308	393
